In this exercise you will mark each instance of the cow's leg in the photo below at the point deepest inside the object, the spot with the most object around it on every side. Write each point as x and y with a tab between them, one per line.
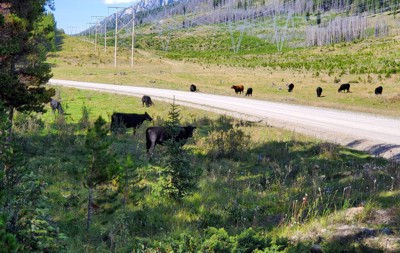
150	146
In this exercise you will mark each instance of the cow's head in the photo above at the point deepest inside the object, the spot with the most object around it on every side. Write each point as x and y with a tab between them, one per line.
148	116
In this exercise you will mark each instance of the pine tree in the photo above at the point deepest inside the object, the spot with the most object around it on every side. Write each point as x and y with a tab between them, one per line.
102	165
23	70
179	176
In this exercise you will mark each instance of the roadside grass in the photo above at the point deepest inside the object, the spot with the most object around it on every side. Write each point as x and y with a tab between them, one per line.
77	61
282	184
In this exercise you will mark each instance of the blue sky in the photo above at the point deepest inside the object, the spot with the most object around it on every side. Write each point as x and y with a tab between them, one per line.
74	15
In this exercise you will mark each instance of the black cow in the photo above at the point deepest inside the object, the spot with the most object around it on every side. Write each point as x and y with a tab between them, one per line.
56	105
249	92
129	120
344	87
378	90
290	87
158	135
319	91
238	88
146	100
193	88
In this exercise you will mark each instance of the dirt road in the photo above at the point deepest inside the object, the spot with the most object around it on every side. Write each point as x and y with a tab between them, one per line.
378	135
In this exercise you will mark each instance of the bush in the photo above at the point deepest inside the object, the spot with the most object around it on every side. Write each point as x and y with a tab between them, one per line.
249	241
218	241
226	140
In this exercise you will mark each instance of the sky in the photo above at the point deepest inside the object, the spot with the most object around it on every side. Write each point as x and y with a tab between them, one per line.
74	15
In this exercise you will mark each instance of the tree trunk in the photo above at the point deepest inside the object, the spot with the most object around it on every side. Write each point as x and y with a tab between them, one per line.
89	212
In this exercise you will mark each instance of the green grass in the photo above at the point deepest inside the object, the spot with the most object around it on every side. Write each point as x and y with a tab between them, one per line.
285	186
262	187
365	64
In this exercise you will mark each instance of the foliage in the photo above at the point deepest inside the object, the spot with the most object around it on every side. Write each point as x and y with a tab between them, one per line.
264	190
248	241
23	70
179	178
102	165
217	241
35	230
7	240
46	30
226	140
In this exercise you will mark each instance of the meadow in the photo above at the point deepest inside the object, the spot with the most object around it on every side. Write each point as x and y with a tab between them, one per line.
236	186
325	67
257	188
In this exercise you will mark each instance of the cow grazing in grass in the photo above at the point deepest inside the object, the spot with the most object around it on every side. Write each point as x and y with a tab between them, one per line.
238	88
290	87
249	92
158	135
193	88
319	91
128	120
146	100
344	87
56	105
378	90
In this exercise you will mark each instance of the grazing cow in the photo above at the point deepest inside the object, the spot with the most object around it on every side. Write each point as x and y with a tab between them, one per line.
129	120
319	91
146	100
290	87
158	135
249	92
193	88
238	88
56	105
378	90
344	87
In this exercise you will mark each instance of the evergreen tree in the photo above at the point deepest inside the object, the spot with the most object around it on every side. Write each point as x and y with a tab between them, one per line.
102	164
23	71
179	176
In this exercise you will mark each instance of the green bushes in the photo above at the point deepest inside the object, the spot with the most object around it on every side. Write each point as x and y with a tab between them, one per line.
226	140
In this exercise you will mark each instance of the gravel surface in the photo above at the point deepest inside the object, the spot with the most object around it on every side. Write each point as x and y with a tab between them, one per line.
377	135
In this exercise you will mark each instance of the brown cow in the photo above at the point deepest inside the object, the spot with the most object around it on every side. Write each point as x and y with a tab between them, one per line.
238	88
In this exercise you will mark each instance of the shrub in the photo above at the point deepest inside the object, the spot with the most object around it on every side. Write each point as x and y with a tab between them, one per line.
249	241
218	241
226	140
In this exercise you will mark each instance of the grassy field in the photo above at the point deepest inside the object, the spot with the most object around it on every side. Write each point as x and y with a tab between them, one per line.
78	61
259	189
265	188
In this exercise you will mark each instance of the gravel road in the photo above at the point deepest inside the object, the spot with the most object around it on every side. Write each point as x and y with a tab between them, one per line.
378	135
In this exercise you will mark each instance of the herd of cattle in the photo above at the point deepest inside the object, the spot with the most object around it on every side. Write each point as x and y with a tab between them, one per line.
343	87
159	134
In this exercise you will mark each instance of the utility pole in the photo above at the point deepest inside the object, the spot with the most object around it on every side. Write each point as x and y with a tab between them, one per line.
116	33
105	31
95	36
133	34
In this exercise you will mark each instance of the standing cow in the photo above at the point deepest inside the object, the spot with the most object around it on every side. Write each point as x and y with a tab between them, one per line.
378	90
158	135
146	100
238	88
193	88
344	87
249	92
56	105
319	91
290	87
129	120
